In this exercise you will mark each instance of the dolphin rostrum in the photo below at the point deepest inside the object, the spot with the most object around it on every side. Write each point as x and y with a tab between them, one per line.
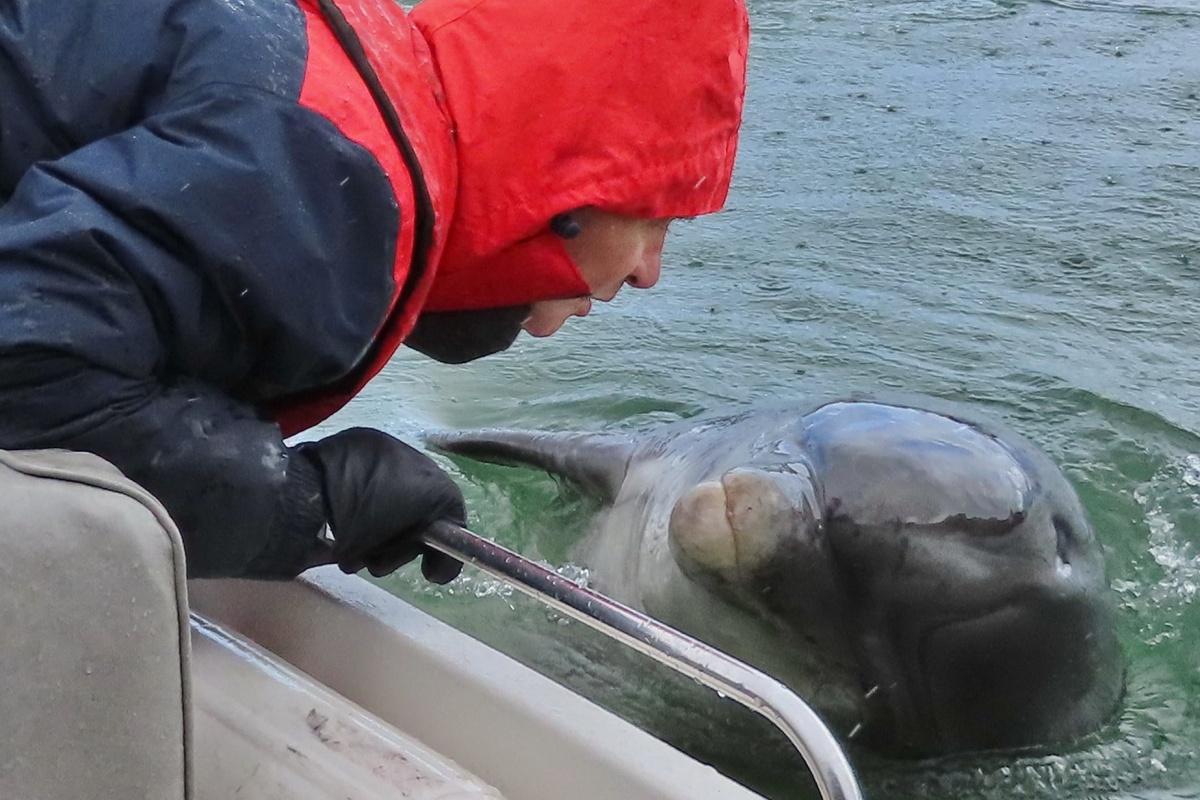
926	578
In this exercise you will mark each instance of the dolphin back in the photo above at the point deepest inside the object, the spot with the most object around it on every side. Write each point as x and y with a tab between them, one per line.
596	462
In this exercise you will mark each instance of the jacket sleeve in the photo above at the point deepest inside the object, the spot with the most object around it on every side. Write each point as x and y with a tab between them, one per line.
233	236
246	504
166	283
163	275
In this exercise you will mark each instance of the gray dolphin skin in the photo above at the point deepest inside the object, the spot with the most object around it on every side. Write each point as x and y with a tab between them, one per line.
928	580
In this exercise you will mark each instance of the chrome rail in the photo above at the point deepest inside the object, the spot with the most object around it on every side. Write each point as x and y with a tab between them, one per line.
726	675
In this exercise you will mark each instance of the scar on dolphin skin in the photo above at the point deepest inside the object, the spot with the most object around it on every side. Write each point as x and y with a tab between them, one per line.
926	576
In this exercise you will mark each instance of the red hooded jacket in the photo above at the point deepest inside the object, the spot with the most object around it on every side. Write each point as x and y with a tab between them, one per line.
508	112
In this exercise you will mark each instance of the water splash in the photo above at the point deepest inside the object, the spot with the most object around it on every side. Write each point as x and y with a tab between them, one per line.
1173	582
479	586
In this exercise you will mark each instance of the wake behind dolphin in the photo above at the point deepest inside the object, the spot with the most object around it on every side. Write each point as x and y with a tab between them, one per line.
927	579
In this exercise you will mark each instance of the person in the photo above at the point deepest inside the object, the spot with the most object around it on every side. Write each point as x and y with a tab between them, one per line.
220	220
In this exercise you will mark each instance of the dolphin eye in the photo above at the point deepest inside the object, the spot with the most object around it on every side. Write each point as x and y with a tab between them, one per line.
1066	536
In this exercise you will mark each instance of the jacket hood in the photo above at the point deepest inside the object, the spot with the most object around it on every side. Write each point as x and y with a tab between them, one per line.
632	107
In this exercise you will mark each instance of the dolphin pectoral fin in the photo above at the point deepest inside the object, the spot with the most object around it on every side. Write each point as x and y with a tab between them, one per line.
595	462
734	527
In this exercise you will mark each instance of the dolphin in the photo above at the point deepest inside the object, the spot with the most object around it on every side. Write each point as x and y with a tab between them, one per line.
926	578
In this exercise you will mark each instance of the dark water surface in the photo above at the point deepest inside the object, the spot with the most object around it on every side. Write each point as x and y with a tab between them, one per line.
993	202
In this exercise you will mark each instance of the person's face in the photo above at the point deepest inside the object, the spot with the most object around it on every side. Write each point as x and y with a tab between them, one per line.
610	252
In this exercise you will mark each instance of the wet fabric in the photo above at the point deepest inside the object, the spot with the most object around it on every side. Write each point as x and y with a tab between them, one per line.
180	242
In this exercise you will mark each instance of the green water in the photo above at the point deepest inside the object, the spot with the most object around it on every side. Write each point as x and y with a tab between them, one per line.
997	203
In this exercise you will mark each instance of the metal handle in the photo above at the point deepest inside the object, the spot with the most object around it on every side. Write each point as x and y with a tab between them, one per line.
754	689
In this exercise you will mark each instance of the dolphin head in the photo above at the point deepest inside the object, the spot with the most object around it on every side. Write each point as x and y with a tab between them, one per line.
950	563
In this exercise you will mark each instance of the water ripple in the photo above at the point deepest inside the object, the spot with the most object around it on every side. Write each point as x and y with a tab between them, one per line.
1125	8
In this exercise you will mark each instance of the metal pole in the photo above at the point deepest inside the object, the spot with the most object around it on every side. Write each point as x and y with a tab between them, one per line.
754	689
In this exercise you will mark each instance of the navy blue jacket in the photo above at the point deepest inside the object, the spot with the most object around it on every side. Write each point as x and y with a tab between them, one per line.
162	193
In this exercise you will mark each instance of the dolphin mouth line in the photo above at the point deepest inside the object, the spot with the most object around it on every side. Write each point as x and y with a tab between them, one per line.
979	527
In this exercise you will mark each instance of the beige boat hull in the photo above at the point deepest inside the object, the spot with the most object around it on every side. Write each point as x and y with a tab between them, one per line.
516	730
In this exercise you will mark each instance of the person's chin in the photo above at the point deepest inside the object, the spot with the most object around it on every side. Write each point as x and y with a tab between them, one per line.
542	332
543	325
541	328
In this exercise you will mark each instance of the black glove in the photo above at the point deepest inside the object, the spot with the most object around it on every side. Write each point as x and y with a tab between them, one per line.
380	496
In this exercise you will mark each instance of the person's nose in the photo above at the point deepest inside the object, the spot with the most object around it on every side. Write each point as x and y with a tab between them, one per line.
647	271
